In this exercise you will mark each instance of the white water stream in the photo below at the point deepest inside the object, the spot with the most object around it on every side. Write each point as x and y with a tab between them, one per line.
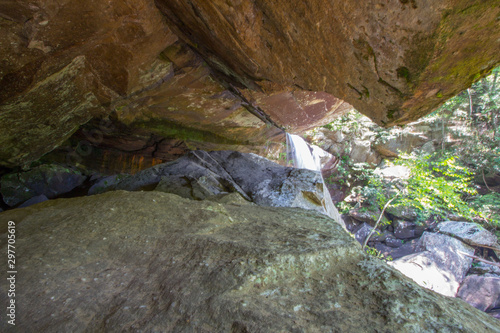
304	156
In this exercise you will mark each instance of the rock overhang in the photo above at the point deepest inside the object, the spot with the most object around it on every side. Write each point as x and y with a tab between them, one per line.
223	74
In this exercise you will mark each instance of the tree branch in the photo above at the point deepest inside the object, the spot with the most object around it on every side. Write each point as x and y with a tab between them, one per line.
378	221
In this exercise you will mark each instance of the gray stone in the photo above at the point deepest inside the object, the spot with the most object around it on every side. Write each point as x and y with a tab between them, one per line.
360	150
400	144
440	266
362	232
369	216
469	232
482	292
428	147
402	212
404	249
199	175
105	184
481	268
51	180
407	230
392	241
34	200
155	262
392	172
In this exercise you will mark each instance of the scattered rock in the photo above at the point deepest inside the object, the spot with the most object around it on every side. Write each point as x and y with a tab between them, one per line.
404	143
440	267
363	232
428	147
482	292
364	214
494	313
402	212
407	230
393	242
153	261
481	268
351	224
50	180
360	151
468	232
404	249
392	172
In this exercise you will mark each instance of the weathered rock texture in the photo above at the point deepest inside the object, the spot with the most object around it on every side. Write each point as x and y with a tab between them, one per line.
222	73
200	175
393	61
151	261
441	266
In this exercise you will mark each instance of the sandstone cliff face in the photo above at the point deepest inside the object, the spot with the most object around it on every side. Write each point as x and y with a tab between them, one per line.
151	261
224	74
394	61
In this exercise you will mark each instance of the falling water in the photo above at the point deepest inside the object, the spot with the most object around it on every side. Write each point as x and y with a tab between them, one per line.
304	156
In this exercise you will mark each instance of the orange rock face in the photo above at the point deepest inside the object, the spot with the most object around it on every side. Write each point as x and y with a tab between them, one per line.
229	74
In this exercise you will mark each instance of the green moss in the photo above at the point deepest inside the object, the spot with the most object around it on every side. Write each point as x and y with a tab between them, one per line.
439	94
404	72
174	130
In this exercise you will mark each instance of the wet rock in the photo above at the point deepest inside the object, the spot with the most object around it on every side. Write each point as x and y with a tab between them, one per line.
440	266
482	292
468	232
50	180
152	261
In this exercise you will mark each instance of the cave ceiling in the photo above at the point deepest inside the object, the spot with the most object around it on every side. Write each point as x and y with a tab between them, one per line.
158	78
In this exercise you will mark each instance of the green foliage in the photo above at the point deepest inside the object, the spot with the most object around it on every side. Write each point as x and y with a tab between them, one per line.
489	207
377	254
347	123
475	116
437	185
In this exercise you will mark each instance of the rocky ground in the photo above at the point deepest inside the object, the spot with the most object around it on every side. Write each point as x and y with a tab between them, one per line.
153	261
454	257
436	256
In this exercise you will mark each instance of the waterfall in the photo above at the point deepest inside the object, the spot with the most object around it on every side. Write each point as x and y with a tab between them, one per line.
304	156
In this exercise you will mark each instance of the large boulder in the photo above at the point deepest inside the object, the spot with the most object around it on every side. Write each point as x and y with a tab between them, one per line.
199	175
441	266
469	232
155	262
482	292
49	180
